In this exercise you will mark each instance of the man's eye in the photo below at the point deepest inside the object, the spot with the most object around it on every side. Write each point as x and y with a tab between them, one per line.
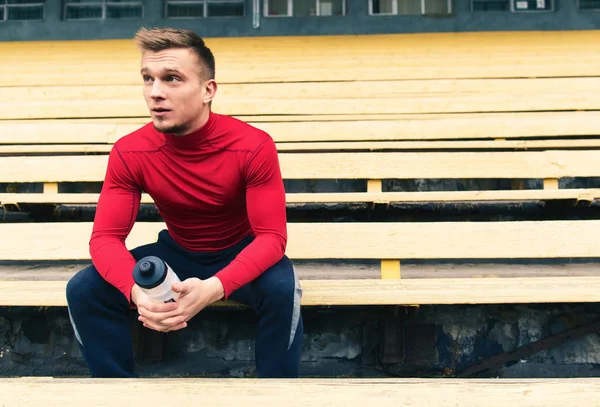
147	78
173	79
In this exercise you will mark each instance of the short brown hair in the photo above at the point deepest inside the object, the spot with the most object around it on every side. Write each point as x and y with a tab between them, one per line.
159	39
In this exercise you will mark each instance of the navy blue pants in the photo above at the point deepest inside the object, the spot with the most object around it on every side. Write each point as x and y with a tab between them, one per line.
99	311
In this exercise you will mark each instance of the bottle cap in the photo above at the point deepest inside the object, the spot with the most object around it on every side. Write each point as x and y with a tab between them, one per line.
149	272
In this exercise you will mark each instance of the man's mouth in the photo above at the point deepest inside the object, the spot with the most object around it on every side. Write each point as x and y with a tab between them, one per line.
159	111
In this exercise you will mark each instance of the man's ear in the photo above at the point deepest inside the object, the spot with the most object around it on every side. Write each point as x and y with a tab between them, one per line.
210	89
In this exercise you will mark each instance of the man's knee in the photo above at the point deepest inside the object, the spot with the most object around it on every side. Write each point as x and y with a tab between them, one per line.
281	296
78	287
84	289
279	285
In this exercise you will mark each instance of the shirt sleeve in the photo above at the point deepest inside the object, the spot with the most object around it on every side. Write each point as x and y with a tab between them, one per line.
116	212
266	208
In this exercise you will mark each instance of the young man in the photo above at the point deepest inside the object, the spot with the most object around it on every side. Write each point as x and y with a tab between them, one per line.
217	184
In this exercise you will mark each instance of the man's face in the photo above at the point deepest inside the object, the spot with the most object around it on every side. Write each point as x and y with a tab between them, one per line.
174	91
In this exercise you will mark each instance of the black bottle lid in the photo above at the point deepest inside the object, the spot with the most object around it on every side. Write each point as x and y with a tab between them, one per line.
149	272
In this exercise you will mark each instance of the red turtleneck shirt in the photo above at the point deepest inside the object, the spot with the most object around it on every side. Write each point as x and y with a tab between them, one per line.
212	187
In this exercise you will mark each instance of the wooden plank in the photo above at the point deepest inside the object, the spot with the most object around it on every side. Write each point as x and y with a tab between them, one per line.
54	148
503	119
303	392
428	291
406	88
13	149
258	106
48	293
418	240
445	240
334	270
56	132
55	168
340	197
547	164
357	90
126	101
361	165
283	49
337	128
126	70
434	145
344	70
415	64
530	40
424	55
549	43
451	291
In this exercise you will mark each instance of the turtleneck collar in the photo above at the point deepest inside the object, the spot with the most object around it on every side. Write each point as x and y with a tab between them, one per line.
194	140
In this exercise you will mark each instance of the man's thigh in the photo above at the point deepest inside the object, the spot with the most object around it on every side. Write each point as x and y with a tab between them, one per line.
279	280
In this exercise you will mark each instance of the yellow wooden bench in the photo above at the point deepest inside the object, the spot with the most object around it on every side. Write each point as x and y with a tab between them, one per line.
418	101
388	242
549	165
34	392
413	107
525	130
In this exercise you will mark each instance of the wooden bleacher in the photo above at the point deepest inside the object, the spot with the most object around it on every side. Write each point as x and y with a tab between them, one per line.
370	108
507	106
454	106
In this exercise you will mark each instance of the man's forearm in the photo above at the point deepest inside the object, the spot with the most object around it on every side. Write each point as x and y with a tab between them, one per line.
114	263
266	250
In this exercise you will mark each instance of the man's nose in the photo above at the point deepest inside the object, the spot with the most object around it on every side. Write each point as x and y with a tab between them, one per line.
157	90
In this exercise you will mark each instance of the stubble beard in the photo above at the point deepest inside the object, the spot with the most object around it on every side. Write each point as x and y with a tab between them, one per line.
176	130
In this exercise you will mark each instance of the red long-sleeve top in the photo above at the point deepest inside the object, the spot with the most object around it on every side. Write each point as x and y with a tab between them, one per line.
212	187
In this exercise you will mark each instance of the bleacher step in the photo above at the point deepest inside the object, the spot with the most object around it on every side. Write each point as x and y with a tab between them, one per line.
311	392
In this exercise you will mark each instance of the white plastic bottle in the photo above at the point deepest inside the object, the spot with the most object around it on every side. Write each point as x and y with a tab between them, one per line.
155	278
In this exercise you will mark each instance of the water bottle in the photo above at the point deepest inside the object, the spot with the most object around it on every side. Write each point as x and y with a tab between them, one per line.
155	278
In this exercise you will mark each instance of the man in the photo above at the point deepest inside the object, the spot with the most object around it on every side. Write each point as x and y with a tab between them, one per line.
217	184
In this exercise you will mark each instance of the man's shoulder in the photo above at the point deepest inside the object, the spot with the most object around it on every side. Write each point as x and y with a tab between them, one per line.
244	136
143	139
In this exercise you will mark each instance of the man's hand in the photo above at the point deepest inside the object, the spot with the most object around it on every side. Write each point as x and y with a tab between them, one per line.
158	316
194	296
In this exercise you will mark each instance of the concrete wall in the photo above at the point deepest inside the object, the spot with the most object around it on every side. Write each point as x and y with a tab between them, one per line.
566	16
438	341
